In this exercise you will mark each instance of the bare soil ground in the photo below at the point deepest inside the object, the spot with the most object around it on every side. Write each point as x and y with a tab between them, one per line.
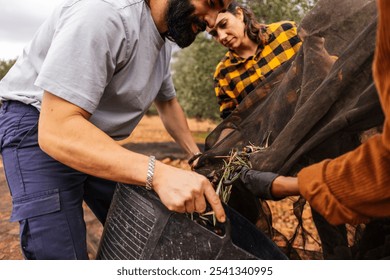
148	138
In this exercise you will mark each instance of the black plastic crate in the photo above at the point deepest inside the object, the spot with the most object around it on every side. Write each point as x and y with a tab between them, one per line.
140	227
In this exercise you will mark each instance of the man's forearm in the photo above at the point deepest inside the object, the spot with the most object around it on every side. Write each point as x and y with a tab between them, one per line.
66	135
176	124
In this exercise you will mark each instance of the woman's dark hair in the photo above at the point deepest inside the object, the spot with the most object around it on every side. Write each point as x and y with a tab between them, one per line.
254	30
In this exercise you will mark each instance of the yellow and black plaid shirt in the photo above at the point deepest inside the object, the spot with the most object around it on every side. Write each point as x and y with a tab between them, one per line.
236	77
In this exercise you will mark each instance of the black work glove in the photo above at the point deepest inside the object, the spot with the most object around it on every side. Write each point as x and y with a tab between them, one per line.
258	183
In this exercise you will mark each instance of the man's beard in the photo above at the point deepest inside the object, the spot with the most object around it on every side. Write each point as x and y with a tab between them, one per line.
180	19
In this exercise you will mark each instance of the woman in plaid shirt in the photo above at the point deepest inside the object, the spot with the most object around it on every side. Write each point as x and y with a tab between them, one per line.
255	51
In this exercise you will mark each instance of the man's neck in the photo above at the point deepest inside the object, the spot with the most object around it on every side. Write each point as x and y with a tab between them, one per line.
158	9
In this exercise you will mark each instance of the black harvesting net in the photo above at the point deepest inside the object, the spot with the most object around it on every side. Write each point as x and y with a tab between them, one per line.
316	106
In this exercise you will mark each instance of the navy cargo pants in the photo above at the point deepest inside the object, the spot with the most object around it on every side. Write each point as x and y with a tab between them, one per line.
47	196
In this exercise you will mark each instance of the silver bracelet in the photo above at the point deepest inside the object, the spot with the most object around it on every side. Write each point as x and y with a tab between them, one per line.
149	176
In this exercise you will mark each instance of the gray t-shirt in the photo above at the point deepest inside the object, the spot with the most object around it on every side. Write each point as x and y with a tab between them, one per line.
105	56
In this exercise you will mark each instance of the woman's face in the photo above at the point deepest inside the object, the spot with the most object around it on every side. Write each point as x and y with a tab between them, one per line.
229	30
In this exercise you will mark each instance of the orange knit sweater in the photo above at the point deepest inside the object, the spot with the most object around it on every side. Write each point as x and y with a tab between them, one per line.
356	186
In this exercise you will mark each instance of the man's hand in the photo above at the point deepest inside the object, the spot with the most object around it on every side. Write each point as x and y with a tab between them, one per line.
193	160
186	191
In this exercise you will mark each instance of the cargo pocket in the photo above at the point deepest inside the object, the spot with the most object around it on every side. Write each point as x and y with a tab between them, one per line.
35	204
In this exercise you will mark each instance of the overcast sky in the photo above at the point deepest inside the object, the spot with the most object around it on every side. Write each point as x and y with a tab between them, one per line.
19	20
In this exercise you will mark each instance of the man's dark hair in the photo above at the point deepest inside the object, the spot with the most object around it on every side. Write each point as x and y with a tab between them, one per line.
180	19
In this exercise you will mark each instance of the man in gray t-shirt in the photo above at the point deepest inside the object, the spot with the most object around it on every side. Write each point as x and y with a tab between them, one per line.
83	83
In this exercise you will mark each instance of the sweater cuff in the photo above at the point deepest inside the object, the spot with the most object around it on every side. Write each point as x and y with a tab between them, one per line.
314	188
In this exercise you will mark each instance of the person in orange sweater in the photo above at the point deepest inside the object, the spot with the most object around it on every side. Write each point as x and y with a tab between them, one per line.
354	187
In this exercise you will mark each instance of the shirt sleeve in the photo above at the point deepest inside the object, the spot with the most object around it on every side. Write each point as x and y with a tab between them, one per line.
355	186
352	187
88	43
